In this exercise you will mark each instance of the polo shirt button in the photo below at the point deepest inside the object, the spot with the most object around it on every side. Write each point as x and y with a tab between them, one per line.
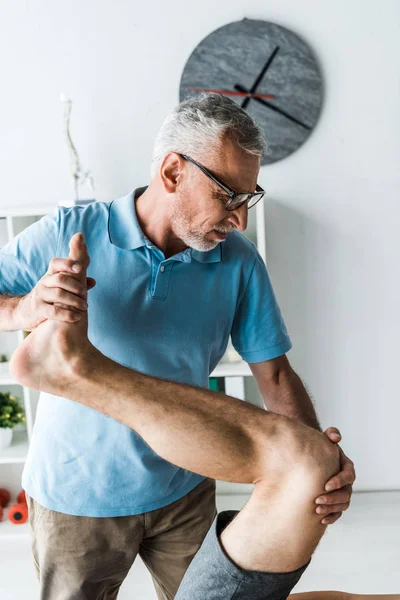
162	269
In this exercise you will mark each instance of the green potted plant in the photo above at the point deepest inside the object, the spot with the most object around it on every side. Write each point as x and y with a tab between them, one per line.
3	364
11	414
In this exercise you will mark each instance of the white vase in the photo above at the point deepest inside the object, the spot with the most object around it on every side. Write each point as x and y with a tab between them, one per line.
6	434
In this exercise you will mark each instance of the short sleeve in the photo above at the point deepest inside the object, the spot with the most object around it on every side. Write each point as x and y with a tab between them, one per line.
25	259
258	330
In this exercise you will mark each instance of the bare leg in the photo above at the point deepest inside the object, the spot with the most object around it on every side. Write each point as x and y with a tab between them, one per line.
325	595
342	596
199	430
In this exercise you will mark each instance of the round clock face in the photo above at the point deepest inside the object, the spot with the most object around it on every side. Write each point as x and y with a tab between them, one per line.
266	69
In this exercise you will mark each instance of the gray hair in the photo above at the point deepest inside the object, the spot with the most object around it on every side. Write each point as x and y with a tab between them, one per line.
197	126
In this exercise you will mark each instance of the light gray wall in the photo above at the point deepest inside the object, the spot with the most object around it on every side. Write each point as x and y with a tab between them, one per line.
332	209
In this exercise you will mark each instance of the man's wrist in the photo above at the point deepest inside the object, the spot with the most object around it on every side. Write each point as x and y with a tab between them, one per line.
296	400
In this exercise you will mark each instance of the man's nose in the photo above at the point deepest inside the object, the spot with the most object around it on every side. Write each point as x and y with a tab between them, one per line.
238	217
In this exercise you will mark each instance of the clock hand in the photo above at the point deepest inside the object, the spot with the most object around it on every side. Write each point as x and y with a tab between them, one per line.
231	93
275	108
261	75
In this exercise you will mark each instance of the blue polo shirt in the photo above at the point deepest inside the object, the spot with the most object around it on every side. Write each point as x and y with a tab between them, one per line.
169	318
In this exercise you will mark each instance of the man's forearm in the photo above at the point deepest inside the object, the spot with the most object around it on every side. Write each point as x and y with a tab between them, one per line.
8	304
289	397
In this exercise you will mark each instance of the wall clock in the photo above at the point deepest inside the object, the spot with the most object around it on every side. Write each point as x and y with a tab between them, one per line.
269	71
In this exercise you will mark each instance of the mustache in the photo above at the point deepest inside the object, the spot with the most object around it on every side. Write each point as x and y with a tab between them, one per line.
224	229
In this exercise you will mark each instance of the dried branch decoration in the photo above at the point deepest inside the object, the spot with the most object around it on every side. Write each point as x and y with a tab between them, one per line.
81	177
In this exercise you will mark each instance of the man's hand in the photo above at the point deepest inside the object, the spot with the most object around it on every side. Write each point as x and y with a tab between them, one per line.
339	487
57	295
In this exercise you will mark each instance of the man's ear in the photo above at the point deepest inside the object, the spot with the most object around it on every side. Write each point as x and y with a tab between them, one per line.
171	172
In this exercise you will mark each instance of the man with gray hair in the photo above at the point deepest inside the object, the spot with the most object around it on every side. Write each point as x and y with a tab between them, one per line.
166	295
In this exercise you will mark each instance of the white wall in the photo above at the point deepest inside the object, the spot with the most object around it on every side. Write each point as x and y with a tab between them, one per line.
333	206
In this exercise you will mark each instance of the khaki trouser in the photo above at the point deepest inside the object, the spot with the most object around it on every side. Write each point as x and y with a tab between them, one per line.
88	558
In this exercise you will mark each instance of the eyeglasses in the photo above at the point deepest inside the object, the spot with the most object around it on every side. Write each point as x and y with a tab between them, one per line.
237	199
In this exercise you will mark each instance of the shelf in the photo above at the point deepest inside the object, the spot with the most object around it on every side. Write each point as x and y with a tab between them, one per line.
5	377
16	453
26	211
9	530
238	369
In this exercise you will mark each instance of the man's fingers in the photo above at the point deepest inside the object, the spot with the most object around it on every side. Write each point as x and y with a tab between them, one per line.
338	481
331	519
328	510
342	495
56	265
78	250
333	433
64	282
346	475
77	261
347	464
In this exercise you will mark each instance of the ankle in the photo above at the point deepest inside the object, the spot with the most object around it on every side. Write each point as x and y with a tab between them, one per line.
86	363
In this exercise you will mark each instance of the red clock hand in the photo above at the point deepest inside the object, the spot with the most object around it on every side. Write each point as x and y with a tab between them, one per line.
231	93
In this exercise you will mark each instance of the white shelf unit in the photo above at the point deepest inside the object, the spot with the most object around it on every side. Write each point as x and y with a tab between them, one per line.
16	219
13	220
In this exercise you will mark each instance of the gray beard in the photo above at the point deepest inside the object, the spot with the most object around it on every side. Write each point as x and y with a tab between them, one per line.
192	239
197	242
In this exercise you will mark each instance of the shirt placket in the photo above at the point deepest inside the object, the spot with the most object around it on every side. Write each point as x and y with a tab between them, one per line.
161	271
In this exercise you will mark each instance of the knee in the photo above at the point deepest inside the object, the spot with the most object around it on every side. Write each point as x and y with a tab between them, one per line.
300	450
314	457
320	457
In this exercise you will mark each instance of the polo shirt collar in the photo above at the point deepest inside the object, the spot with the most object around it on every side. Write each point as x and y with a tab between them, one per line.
125	232
211	256
123	227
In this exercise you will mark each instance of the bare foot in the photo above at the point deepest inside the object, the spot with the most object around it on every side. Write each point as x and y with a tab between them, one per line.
50	355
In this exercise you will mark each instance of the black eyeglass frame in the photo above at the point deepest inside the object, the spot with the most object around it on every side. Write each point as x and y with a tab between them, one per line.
230	205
